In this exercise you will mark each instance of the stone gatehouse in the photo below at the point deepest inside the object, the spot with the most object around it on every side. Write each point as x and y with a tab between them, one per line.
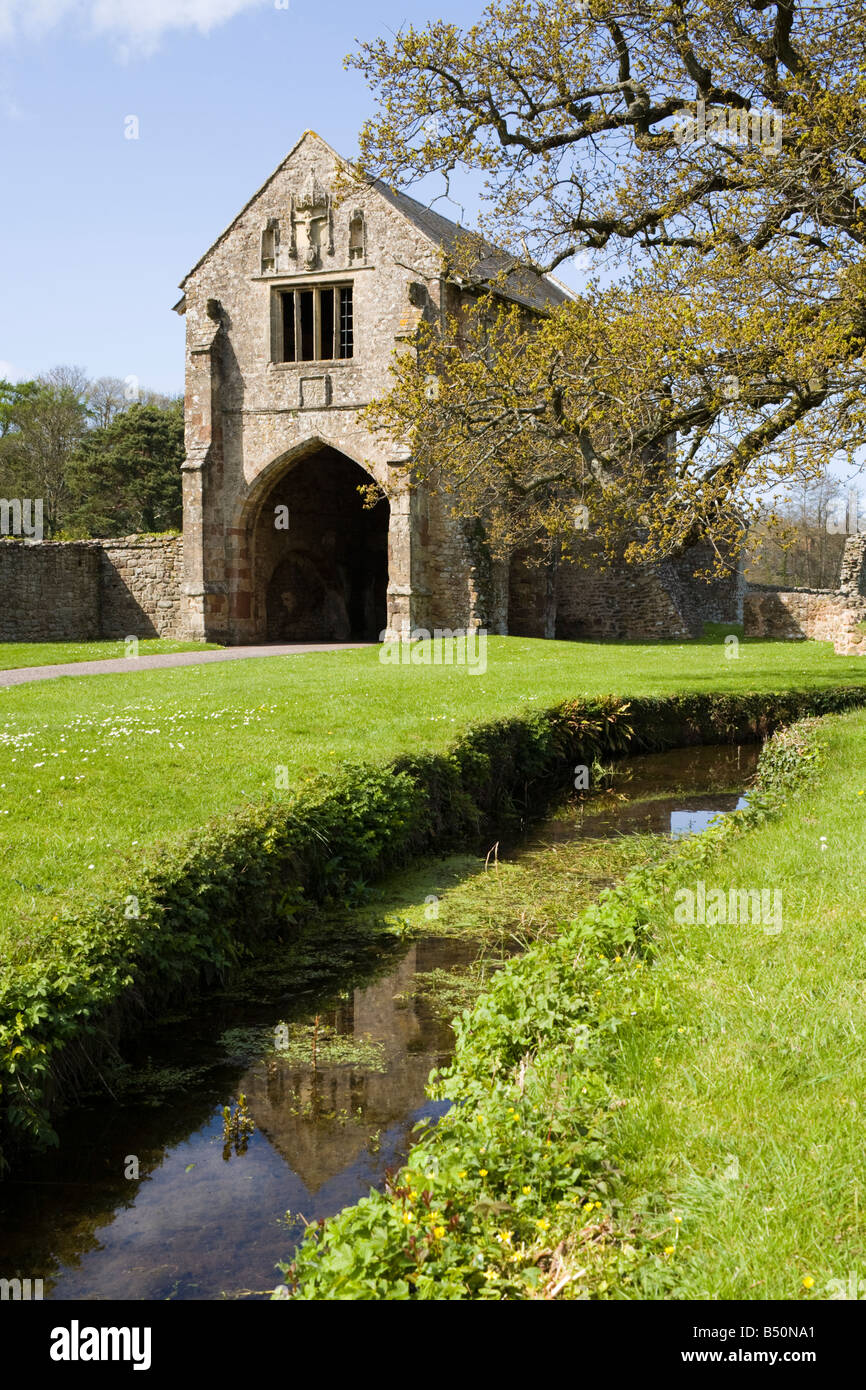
292	318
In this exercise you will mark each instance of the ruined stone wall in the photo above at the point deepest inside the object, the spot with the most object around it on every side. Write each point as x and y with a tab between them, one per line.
701	594
619	601
622	603
823	615
852	571
77	591
465	586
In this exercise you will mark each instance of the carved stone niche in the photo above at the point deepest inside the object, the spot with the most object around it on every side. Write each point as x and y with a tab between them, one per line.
270	246
357	237
312	216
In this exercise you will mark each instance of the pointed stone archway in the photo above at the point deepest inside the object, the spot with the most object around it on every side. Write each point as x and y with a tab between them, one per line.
317	552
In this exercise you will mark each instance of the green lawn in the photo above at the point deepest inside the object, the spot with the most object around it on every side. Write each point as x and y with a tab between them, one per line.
745	1109
96	769
16	655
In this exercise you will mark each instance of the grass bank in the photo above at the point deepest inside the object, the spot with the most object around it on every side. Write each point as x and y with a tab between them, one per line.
202	902
14	656
747	1150
98	770
645	1109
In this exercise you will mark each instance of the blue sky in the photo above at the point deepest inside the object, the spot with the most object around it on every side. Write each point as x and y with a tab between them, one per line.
96	229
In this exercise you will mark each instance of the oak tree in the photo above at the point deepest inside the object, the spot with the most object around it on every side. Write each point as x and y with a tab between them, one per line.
708	156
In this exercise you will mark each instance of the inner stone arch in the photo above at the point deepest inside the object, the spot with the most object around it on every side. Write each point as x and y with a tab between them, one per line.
321	554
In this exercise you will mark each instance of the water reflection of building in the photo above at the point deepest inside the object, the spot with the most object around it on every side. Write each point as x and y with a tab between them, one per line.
321	1120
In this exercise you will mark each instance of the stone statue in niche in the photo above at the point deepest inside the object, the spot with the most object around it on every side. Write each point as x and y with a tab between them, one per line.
312	214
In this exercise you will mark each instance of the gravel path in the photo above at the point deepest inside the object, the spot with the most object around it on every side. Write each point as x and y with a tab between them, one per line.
153	663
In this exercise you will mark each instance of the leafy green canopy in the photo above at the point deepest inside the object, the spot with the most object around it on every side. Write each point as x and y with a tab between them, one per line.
103	465
708	156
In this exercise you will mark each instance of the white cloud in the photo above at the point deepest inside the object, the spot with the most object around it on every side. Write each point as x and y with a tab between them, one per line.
138	24
8	105
10	373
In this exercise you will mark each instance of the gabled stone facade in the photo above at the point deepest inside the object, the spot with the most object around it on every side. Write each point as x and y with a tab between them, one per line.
277	543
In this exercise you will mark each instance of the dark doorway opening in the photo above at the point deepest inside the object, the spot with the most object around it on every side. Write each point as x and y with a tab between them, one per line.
322	555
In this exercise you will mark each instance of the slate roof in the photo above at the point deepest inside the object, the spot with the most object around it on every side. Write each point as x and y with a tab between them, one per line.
520	283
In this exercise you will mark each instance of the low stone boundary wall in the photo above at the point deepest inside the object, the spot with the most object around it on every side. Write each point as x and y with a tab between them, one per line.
824	615
820	614
75	591
141	587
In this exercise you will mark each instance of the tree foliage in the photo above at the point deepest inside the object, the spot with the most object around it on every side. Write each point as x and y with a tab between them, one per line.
63	439
709	157
800	543
41	423
127	473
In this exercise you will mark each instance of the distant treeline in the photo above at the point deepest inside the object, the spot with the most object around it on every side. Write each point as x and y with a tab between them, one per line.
799	544
104	456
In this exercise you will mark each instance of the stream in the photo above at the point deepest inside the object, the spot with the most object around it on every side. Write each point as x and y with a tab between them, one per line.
145	1199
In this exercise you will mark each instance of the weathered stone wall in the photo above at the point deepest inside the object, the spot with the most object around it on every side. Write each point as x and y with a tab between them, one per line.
852	571
49	592
702	595
621	602
824	615
76	591
796	614
141	584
